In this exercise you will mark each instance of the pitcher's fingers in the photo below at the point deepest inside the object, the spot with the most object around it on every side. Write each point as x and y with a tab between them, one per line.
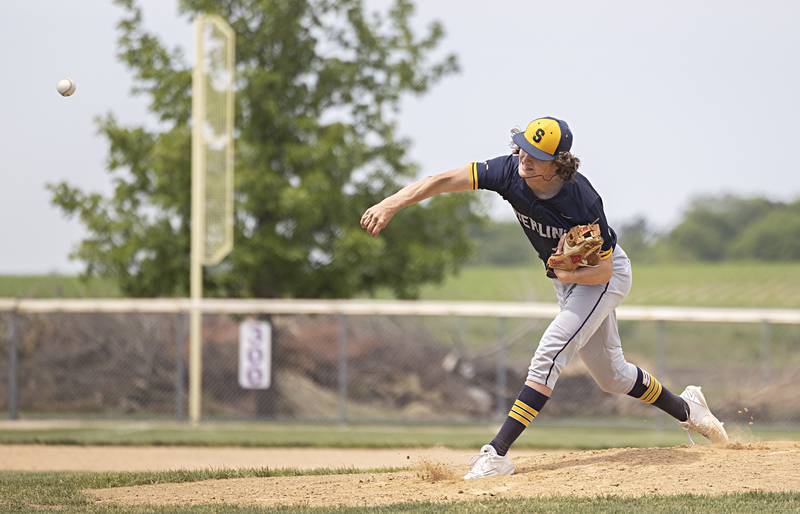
371	224
366	218
380	224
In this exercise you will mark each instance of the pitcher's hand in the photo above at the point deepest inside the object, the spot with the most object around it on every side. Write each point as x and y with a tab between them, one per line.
376	218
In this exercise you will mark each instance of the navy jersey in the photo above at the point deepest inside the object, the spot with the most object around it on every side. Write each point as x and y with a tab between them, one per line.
544	221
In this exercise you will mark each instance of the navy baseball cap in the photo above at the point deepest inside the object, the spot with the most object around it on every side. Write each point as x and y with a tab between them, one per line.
544	138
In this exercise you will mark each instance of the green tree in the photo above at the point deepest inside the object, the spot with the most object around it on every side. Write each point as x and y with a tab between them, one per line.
319	86
711	223
771	238
637	237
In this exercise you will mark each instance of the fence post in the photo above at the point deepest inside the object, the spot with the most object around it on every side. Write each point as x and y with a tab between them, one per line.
342	369
502	378
180	366
12	366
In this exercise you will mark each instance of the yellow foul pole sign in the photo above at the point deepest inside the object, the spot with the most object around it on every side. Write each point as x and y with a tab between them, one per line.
213	85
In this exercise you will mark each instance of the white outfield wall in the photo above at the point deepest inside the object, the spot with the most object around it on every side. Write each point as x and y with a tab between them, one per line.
391	308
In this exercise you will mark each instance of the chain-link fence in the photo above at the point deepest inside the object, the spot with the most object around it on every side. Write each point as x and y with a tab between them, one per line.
358	368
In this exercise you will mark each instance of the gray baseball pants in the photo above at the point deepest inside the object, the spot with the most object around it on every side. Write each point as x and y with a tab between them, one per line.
587	324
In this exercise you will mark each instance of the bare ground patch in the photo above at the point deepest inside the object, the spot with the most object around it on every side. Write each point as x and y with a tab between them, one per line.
32	457
767	467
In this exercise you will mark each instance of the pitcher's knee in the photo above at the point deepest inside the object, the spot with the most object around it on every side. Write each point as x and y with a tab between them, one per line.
544	369
541	375
620	381
612	386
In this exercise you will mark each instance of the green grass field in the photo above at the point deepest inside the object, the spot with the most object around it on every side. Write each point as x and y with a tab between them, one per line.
730	284
282	435
55	286
35	492
545	435
738	284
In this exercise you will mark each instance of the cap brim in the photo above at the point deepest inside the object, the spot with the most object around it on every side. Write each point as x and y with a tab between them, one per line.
520	141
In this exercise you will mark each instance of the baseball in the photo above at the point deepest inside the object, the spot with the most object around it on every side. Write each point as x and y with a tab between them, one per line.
66	87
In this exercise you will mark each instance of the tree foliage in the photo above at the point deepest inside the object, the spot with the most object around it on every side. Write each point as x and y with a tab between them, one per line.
319	83
711	224
637	236
722	227
772	237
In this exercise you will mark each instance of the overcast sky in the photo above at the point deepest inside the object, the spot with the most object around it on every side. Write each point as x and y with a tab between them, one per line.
666	100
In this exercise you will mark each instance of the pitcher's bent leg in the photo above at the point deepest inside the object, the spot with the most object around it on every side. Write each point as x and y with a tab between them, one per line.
605	360
581	315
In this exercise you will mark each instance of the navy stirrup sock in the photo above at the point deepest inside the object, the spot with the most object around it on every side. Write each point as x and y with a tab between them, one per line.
525	408
649	390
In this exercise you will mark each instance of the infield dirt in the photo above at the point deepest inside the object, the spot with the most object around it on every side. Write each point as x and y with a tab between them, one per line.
766	467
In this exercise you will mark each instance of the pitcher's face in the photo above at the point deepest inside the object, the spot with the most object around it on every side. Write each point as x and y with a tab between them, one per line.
531	167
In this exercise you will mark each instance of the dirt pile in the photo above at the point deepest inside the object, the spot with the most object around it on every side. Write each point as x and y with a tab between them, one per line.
768	467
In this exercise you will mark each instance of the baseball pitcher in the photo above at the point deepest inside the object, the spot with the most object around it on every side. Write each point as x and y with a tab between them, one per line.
562	216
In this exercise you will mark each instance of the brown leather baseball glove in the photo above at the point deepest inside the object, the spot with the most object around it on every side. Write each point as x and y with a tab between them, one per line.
581	247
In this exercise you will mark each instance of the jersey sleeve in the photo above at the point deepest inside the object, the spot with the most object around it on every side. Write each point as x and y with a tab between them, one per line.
609	237
495	174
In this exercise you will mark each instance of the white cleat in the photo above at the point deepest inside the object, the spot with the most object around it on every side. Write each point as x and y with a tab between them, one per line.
488	464
700	418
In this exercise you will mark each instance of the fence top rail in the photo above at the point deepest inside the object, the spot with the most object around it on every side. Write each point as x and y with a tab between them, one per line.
388	307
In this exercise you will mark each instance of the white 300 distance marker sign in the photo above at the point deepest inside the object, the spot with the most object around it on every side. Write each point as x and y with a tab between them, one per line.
255	354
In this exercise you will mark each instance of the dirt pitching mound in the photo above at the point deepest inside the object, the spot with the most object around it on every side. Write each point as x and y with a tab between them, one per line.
768	467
